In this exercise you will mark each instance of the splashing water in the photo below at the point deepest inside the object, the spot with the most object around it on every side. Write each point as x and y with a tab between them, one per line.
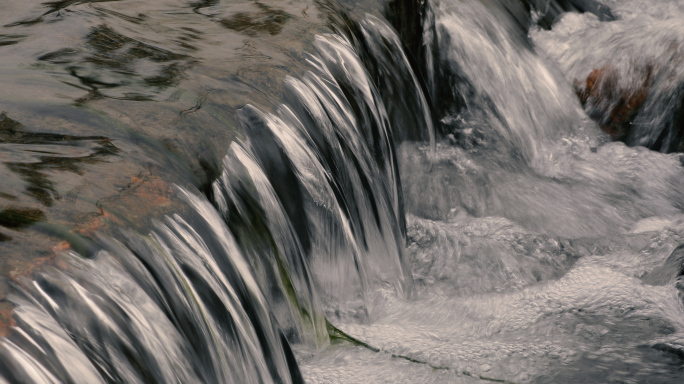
447	213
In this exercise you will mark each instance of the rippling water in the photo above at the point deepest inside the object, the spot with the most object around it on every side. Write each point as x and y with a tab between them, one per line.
341	192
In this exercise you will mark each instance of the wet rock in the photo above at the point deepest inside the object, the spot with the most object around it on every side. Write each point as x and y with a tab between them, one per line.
144	195
25	270
6	319
612	105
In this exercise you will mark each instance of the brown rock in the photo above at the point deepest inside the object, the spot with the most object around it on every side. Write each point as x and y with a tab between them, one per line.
6	319
613	106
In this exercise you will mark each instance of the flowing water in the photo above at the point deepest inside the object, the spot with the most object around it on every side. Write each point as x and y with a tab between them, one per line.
342	192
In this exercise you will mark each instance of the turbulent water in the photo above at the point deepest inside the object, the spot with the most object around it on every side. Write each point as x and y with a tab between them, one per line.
421	200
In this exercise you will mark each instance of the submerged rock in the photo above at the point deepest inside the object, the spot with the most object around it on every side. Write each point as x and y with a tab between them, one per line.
266	19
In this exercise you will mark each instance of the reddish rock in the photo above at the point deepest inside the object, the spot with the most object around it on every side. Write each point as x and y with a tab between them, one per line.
6	319
143	195
613	106
6	309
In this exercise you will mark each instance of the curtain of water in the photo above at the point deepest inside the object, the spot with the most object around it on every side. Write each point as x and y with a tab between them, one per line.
484	227
307	217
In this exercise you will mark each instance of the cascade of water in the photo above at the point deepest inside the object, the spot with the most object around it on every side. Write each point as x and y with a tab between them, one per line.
307	216
517	143
485	60
540	251
180	305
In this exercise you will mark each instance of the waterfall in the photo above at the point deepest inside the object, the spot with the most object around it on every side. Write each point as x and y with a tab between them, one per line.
305	219
470	191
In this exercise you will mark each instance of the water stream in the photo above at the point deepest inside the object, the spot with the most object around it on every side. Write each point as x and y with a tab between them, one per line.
443	191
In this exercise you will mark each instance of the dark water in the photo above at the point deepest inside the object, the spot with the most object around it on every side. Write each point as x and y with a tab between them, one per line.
341	192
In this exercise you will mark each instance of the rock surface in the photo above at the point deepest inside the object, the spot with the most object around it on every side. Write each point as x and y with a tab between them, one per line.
613	106
616	106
